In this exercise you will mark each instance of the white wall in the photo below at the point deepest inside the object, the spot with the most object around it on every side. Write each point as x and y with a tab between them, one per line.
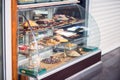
107	15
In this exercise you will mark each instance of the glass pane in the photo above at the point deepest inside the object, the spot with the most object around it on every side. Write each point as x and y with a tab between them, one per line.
1	60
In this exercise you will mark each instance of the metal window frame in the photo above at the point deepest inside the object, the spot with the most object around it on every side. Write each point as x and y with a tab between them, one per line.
6	39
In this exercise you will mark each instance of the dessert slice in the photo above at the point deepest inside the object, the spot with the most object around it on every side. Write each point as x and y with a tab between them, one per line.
60	38
32	23
73	53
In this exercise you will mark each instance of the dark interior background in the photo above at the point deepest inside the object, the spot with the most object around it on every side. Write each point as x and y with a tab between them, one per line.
1	54
82	3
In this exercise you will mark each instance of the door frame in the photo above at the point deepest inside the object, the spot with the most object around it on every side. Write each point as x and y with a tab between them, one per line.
14	39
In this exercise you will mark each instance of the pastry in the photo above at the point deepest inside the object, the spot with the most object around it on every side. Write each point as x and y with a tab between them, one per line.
60	18
52	42
51	60
71	20
60	38
69	45
73	53
80	50
41	42
59	55
32	23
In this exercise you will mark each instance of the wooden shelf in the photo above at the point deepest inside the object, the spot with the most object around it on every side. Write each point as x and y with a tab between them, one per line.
36	5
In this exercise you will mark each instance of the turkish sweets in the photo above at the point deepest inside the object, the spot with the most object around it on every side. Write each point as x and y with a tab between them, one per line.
52	42
56	21
73	53
51	60
60	38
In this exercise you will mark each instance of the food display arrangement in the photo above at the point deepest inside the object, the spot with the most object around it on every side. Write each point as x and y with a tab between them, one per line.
35	1
49	39
58	21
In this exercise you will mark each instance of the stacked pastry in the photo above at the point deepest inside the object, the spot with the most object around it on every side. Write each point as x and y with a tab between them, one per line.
26	25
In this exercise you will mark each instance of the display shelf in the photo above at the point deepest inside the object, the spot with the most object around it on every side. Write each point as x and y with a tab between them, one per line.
51	48
80	21
55	27
36	5
75	68
47	50
63	66
70	24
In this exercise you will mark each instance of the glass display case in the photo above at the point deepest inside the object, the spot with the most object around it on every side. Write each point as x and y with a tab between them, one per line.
52	38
